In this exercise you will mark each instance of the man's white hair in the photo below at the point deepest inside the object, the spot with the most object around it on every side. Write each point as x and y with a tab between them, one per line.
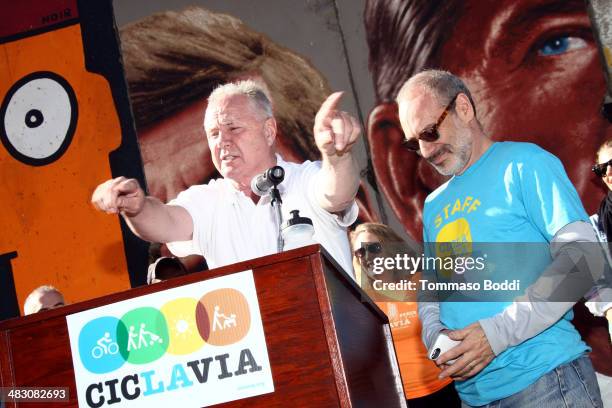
31	304
255	91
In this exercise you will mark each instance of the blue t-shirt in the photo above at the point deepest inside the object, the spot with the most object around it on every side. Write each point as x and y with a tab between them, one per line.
514	193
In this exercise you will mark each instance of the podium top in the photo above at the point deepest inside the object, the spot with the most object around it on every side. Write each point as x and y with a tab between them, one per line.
251	264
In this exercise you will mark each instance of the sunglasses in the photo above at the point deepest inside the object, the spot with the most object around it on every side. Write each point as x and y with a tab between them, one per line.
430	133
601	169
373	248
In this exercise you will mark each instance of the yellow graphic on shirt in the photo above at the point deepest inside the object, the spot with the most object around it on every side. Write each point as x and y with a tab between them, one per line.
457	232
465	206
454	240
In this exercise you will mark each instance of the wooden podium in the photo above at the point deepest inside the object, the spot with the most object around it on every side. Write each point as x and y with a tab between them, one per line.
329	345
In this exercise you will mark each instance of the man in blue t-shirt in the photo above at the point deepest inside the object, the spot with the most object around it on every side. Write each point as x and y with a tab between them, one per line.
525	352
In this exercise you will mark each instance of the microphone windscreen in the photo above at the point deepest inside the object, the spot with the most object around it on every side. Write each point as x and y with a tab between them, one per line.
255	188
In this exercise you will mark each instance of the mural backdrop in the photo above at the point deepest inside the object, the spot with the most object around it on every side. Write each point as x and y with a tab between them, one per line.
533	66
65	126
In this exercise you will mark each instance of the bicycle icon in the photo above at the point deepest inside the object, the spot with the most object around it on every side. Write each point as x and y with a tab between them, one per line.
105	346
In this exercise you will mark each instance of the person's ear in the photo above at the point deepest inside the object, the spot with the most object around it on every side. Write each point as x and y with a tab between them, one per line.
464	108
270	130
399	172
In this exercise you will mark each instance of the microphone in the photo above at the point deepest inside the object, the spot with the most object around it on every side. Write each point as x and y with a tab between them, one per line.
272	177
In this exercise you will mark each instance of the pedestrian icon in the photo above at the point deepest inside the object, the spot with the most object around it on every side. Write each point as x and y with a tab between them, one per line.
145	337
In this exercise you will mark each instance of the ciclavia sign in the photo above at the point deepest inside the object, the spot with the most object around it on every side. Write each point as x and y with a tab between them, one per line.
200	344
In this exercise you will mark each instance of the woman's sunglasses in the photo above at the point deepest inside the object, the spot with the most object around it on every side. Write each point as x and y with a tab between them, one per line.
430	133
373	248
601	169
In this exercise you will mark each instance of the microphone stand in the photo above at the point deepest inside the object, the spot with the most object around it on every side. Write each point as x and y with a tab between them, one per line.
276	204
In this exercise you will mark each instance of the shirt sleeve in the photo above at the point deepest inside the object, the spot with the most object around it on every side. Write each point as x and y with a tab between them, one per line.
428	307
550	199
554	207
577	262
310	179
197	200
599	300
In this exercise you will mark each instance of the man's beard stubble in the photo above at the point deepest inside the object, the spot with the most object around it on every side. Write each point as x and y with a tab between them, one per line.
461	155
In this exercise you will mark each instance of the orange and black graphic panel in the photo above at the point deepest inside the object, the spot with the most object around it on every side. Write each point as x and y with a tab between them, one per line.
65	126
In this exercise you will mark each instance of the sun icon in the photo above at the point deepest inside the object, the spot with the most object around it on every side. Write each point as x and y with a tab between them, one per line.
184	335
182	327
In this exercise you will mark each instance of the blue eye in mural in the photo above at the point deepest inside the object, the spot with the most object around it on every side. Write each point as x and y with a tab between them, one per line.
561	44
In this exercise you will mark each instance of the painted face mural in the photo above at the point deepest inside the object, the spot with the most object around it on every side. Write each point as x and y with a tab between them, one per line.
58	127
185	65
533	69
535	75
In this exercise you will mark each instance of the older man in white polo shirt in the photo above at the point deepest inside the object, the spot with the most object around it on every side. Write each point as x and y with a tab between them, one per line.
224	220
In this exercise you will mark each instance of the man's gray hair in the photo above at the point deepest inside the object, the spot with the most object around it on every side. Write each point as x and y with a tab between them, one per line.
256	93
443	85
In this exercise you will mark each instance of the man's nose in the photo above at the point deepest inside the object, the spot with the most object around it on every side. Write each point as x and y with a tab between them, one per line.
608	170
225	137
426	148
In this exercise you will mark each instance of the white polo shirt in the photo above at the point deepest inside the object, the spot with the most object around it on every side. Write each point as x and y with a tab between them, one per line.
229	227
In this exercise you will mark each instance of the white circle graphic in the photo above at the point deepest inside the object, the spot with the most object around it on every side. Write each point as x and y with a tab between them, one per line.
38	118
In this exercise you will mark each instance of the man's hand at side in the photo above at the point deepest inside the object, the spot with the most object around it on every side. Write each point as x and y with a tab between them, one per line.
473	353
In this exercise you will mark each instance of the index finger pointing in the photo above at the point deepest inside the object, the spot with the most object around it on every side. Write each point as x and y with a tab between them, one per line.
329	106
128	186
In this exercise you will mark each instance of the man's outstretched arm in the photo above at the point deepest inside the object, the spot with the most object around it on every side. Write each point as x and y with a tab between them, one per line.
147	217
